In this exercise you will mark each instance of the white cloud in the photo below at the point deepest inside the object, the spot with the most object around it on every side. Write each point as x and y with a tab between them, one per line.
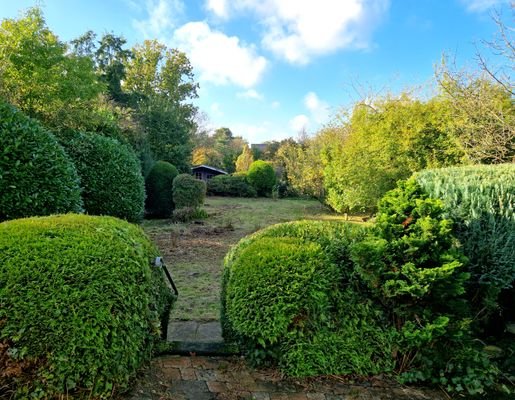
218	7
250	94
483	5
298	30
319	109
299	123
275	104
219	58
161	17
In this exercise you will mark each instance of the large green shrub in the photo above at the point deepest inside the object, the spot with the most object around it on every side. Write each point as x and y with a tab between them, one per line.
230	185
481	201
261	176
411	264
158	185
110	175
80	305
286	297
188	191
36	175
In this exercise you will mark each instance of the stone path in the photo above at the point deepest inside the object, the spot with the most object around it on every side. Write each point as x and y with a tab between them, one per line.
229	378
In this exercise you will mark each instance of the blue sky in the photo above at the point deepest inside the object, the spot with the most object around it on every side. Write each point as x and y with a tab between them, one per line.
268	68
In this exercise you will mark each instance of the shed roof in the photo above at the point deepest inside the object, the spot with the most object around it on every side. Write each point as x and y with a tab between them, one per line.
221	171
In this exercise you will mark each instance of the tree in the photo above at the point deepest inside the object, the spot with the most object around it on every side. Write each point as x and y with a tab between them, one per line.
207	156
160	81
39	77
483	114
244	160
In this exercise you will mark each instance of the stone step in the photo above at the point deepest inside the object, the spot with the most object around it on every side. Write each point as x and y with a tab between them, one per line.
200	349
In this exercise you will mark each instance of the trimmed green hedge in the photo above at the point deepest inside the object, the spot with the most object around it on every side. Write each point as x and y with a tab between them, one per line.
81	305
36	175
230	185
188	191
110	175
286	298
158	185
261	176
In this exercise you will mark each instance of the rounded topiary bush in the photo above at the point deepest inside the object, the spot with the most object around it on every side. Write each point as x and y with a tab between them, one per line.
262	177
36	175
80	305
110	175
288	297
188	191
158	185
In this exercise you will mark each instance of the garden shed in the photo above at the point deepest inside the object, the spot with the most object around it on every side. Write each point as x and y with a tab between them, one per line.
205	172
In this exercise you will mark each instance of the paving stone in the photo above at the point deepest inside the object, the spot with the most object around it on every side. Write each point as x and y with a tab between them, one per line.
315	396
297	396
216	387
260	396
176	362
278	396
192	390
209	332
172	374
182	331
188	374
205	374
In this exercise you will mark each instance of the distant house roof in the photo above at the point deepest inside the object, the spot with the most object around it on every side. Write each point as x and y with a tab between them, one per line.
259	146
221	171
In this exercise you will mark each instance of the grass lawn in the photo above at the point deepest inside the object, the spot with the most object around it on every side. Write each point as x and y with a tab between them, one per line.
194	252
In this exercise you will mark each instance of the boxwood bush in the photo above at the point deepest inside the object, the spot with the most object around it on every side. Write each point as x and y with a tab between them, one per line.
230	185
158	185
81	305
188	191
36	175
287	297
110	175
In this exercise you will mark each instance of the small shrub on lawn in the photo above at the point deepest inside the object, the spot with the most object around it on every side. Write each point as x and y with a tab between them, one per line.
187	214
81	305
230	185
188	191
158	185
36	175
261	176
110	175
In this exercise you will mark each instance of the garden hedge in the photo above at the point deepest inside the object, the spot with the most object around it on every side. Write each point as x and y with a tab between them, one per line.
36	175
110	175
188	191
481	201
261	176
81	305
230	185
286	296
158	185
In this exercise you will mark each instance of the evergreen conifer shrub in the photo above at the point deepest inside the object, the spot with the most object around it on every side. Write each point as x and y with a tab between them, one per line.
159	185
36	175
110	175
188	191
81	305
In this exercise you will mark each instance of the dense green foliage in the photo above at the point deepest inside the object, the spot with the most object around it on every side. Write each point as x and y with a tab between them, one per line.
110	175
81	305
261	176
294	279
412	266
158	185
36	175
188	191
481	201
230	185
